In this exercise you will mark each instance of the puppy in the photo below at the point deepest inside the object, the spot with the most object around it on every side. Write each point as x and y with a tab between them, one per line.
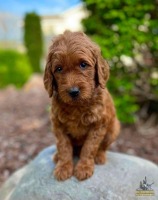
83	113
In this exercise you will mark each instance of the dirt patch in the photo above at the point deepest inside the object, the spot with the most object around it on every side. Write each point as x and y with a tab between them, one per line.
25	129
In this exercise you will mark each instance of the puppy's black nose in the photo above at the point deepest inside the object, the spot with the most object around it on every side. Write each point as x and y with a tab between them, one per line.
74	92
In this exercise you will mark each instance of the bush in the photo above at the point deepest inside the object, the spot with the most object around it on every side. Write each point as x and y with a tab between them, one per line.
121	86
14	68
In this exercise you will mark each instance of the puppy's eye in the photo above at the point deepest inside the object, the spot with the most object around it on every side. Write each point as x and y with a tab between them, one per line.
83	65
58	69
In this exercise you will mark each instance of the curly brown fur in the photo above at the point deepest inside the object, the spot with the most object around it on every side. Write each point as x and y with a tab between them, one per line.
86	121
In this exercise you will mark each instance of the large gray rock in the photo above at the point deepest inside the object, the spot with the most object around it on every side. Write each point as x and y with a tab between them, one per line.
118	179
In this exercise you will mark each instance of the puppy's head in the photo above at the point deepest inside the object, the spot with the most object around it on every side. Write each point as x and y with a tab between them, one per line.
74	68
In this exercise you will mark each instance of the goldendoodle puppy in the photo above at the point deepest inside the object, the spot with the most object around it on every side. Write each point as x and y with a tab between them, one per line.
83	113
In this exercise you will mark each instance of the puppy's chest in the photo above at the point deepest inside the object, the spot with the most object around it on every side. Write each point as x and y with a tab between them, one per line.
77	121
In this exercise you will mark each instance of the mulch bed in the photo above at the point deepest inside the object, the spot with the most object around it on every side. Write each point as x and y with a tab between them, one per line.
25	130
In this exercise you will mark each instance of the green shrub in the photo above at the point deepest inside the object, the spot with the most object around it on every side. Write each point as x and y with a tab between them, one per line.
121	87
14	68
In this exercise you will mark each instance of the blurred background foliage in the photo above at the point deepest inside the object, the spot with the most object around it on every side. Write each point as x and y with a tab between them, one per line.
33	40
14	68
127	32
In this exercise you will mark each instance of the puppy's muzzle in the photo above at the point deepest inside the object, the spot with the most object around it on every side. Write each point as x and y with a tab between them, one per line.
74	92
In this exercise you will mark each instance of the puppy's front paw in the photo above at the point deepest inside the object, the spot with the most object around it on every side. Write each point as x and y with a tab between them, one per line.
63	171
84	169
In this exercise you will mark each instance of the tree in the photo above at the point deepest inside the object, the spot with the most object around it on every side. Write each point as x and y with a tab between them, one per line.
127	29
33	39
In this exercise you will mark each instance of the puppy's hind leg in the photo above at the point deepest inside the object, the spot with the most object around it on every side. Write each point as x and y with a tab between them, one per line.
111	135
100	157
55	157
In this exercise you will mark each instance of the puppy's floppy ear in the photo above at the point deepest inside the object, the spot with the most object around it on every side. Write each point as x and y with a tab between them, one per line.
102	70
48	76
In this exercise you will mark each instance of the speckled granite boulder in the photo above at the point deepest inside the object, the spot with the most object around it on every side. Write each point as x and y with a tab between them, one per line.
117	180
